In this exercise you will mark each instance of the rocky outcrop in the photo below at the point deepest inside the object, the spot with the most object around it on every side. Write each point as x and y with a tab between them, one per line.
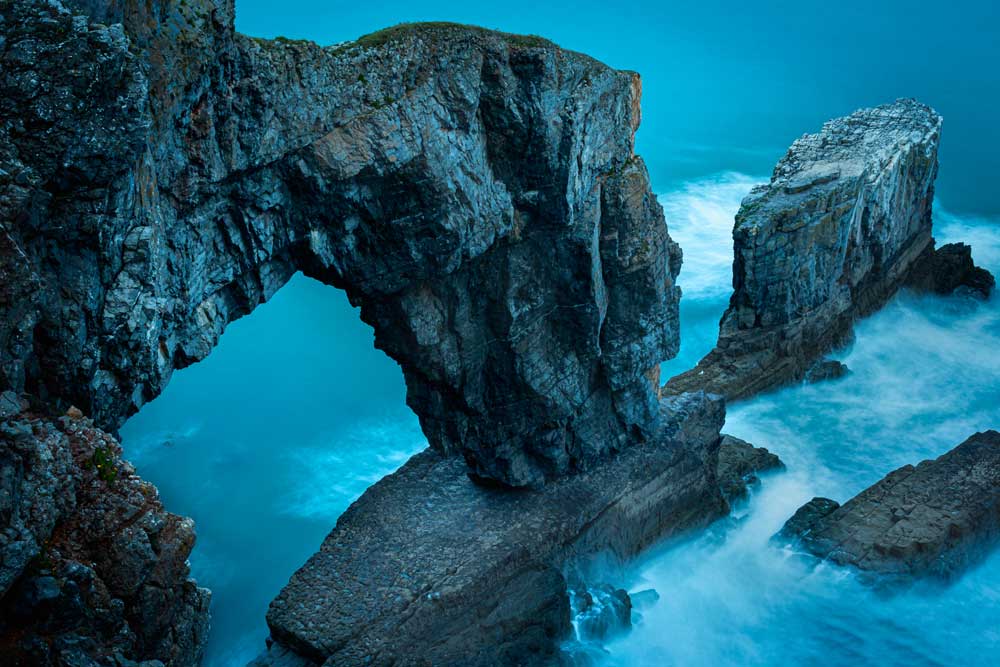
739	463
93	571
949	268
844	222
430	568
930	520
475	193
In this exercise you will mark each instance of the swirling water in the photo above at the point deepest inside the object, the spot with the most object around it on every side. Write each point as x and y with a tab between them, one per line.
925	375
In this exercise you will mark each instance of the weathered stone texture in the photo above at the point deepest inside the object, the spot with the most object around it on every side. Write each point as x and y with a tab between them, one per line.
930	520
475	193
841	226
428	568
93	571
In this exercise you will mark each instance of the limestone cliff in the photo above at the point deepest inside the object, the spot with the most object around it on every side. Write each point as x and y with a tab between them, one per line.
844	222
93	570
475	193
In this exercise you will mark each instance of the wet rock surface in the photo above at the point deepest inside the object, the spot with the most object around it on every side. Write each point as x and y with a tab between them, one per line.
739	463
935	519
840	227
475	193
600	612
430	568
949	268
93	571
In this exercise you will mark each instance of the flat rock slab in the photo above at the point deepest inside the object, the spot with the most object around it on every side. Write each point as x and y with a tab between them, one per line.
428	567
935	519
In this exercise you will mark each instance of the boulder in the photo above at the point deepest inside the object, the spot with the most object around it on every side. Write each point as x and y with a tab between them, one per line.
935	519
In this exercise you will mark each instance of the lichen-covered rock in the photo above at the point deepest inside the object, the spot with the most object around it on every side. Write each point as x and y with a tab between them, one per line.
840	227
930	520
739	463
475	193
428	568
93	571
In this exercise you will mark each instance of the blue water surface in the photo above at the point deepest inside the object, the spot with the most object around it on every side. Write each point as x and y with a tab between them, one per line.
295	413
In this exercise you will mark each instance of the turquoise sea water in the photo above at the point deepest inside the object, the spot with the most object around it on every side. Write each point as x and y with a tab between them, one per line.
295	413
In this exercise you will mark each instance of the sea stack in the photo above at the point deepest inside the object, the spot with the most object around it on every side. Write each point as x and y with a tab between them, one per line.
842	225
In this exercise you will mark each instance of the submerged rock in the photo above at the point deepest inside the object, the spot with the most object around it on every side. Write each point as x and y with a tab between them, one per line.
739	463
93	571
427	564
841	226
475	193
930	520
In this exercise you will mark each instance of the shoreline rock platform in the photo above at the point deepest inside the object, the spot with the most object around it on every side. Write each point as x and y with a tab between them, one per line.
935	519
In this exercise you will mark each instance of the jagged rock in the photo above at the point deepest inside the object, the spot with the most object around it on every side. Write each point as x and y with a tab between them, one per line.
807	517
826	369
739	463
932	520
475	193
601	611
429	568
93	571
949	268
843	222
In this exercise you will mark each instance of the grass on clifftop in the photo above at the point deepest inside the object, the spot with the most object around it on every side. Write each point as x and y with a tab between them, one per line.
381	37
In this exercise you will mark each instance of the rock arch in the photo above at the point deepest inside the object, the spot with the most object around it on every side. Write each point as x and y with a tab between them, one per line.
476	193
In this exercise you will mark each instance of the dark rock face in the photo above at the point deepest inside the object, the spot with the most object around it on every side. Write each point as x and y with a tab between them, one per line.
93	571
932	520
843	222
430	568
739	463
475	193
948	269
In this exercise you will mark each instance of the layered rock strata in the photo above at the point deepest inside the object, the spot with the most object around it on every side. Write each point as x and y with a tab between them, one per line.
430	568
844	222
93	570
475	193
930	520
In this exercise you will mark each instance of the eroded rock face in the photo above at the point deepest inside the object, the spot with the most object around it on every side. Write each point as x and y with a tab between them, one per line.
475	193
844	221
469	575
93	571
739	463
930	520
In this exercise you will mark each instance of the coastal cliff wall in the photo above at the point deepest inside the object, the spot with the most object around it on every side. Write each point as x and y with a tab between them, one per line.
475	193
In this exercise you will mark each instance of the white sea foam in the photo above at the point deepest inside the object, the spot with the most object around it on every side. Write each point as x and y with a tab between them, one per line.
338	469
700	218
